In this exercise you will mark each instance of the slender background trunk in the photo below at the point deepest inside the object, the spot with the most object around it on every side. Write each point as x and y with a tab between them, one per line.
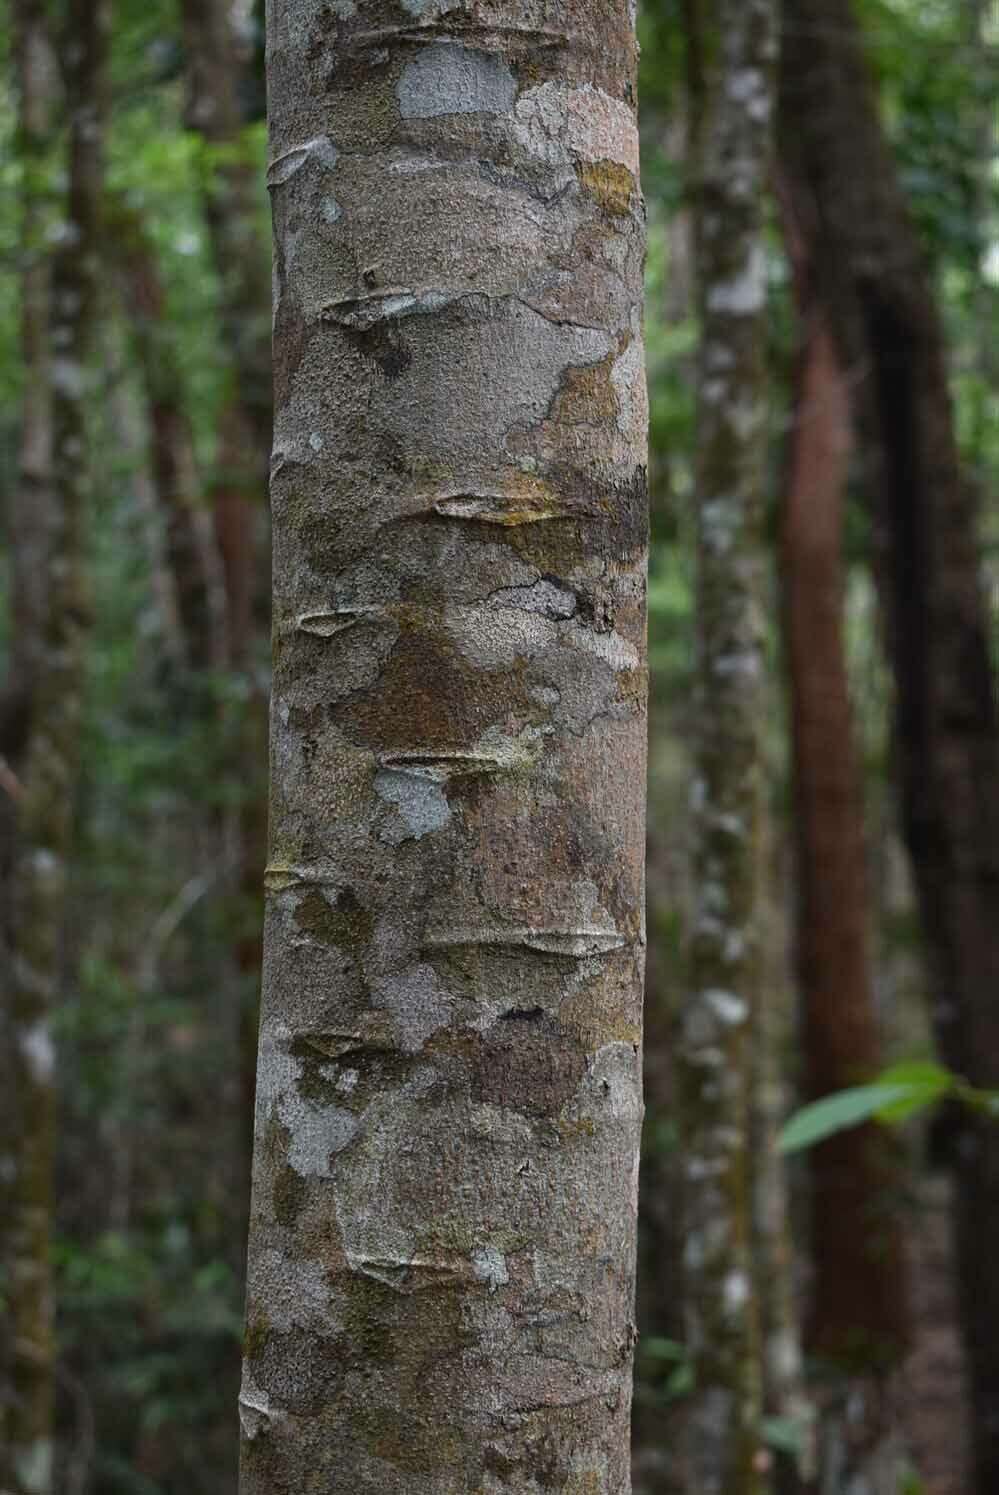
46	808
731	52
857	1323
28	513
171	448
218	77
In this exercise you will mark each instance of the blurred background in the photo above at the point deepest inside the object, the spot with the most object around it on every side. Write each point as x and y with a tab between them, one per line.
134	647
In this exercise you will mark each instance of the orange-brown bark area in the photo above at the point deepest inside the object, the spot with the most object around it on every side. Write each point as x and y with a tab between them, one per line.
857	1302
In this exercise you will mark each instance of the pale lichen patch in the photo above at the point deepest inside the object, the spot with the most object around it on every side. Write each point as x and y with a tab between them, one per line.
561	124
419	799
426	10
255	1410
601	128
317	1133
727	1006
749	88
735	1291
745	293
33	1466
489	1265
627	377
721	521
38	1051
449	78
417	1003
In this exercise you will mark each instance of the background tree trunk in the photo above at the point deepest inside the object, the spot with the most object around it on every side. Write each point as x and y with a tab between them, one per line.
441	1268
28	510
732	52
46	807
171	447
872	279
217	77
857	1323
785	1397
215	68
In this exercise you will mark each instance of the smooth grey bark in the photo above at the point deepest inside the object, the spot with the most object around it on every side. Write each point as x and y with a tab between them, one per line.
731	51
441	1260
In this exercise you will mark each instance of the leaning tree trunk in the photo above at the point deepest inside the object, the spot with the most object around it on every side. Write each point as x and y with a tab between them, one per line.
858	1320
441	1268
872	279
45	808
732	47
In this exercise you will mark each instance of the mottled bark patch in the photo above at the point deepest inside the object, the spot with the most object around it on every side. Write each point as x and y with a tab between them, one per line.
611	184
525	1063
343	922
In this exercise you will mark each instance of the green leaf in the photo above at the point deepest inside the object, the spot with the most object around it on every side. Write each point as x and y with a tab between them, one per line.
925	1081
835	1113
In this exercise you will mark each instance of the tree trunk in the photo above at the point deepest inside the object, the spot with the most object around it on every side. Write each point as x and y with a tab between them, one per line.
857	1323
171	450
784	1393
45	809
215	67
28	511
732	50
441	1268
872	280
216	70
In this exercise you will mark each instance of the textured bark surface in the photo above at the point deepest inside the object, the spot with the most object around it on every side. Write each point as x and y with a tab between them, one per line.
441	1268
733	49
45	809
871	276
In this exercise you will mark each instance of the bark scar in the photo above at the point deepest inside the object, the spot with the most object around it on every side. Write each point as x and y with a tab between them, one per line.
578	944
